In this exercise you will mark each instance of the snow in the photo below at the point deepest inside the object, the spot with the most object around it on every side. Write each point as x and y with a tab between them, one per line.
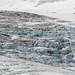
17	66
14	37
44	73
22	67
6	2
64	10
66	6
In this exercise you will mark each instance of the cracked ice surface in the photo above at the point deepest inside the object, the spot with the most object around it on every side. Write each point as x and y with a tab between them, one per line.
31	43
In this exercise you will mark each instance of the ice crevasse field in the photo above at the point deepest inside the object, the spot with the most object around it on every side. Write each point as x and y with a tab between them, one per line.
37	37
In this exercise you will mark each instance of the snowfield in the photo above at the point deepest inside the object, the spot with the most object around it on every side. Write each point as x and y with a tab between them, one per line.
64	10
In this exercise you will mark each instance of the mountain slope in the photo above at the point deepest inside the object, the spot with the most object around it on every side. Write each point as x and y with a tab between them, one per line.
66	6
15	4
63	9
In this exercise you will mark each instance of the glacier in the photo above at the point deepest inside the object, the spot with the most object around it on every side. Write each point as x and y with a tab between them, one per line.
37	37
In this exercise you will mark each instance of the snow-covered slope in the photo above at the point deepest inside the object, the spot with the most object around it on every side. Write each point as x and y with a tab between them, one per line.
48	5
63	6
63	9
26	4
5	2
